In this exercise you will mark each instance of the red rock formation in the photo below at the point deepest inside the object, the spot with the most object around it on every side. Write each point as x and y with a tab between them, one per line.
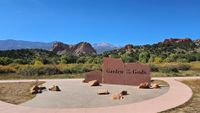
83	48
59	46
171	40
128	46
80	48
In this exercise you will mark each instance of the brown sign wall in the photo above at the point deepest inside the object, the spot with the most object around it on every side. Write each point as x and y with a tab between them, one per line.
114	71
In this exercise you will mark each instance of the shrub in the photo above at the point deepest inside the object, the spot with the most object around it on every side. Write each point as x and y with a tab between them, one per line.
31	70
38	63
97	60
168	69
5	61
152	57
158	60
154	68
48	70
183	67
68	59
183	60
38	70
144	57
66	70
77	68
96	67
171	58
20	61
126	58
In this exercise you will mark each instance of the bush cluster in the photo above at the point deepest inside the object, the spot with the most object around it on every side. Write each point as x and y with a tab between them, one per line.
78	68
38	70
183	67
154	68
31	70
170	68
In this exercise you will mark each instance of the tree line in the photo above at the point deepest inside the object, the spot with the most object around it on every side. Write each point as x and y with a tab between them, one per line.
156	53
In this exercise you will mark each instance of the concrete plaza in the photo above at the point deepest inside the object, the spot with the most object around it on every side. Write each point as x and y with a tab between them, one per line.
177	94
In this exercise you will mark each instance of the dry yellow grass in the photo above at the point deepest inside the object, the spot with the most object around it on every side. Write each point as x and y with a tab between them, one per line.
194	65
192	106
57	76
17	92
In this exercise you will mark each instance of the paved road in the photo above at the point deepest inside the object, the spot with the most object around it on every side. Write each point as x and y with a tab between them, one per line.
178	94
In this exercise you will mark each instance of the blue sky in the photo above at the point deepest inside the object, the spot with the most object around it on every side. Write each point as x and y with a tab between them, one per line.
114	21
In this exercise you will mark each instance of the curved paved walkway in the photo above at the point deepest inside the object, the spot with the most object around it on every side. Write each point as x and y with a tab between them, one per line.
178	94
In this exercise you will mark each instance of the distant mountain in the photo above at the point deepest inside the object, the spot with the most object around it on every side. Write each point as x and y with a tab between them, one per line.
19	44
11	44
77	49
102	47
26	54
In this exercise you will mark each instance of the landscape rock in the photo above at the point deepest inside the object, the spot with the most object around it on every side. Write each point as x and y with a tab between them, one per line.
144	85
103	92
124	92
94	83
155	86
42	87
54	88
117	96
35	89
84	81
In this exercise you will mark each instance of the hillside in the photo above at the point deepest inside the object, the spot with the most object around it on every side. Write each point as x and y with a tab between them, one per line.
26	56
170	50
183	50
